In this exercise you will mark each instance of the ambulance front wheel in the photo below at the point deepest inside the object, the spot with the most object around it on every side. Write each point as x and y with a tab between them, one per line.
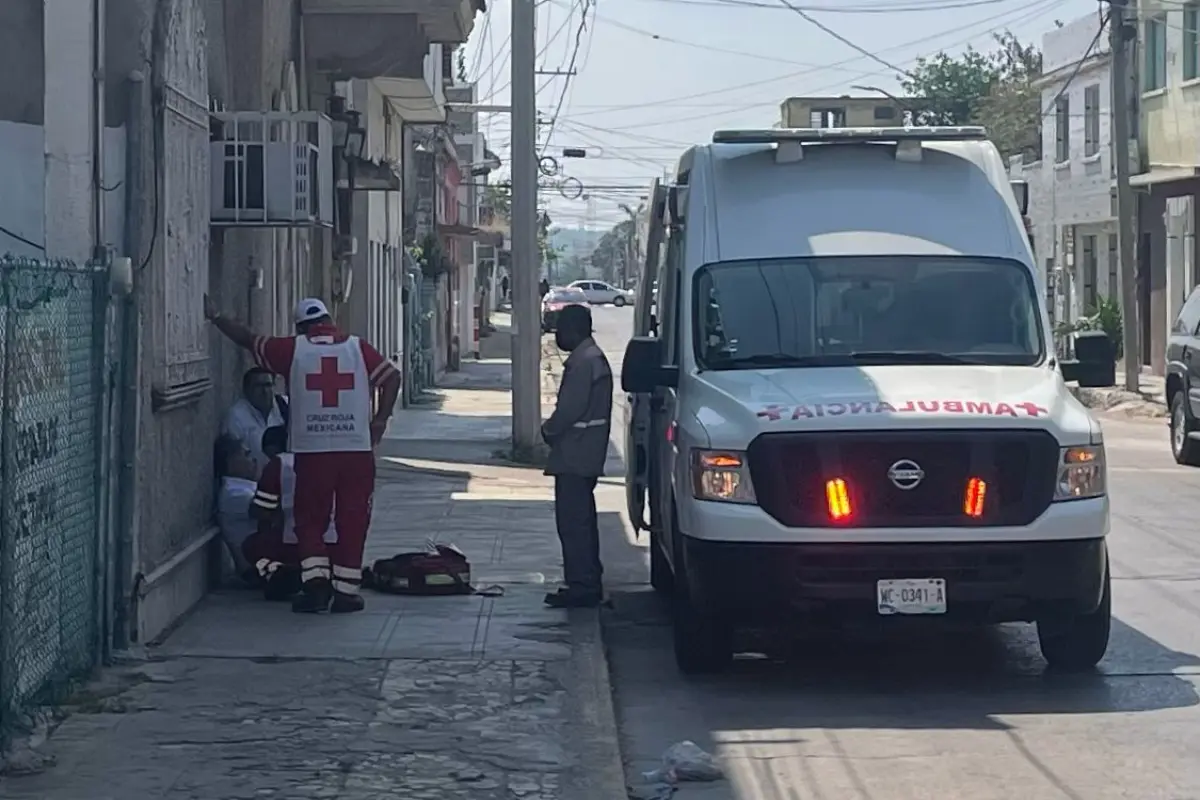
703	639
1078	643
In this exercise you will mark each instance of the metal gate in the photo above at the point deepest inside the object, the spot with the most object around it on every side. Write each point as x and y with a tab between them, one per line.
56	416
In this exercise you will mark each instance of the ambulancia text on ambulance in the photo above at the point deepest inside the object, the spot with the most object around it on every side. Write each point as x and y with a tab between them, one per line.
845	407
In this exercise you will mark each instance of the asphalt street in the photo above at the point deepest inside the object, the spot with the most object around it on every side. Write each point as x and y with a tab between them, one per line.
953	716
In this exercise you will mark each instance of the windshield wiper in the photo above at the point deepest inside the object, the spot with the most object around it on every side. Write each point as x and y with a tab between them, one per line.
908	357
779	360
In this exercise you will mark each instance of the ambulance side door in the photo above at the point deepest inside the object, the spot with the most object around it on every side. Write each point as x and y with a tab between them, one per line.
639	468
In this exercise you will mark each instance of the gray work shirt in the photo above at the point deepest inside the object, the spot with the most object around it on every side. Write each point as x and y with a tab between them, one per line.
577	431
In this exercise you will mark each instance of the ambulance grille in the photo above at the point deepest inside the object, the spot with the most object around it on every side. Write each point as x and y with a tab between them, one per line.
790	471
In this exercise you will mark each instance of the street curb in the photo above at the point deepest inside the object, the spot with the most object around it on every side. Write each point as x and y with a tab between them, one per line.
1114	400
600	773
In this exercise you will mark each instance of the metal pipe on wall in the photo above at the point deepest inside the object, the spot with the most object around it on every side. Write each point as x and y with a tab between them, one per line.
127	544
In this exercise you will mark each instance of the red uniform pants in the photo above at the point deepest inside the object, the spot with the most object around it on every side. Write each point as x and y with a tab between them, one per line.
341	486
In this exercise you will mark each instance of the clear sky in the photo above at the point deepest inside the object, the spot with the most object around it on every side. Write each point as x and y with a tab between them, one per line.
654	76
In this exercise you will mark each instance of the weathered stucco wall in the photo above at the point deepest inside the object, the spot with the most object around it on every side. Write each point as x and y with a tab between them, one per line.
175	486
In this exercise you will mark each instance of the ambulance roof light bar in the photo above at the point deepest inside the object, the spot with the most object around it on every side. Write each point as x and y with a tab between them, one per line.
789	142
940	133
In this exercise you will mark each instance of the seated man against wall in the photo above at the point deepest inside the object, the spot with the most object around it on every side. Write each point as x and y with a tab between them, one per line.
236	472
273	550
259	408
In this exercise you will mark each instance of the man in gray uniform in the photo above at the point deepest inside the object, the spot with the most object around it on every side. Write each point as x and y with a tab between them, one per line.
577	433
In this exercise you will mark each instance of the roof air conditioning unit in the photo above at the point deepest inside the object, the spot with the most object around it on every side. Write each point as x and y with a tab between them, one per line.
272	169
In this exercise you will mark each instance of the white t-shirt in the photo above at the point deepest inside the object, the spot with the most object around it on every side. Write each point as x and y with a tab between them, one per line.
247	424
233	515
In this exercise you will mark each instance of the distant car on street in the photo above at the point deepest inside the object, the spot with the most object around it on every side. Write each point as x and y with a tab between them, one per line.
601	293
556	300
1183	382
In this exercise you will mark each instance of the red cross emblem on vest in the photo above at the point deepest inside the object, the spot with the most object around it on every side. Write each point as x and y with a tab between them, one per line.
329	382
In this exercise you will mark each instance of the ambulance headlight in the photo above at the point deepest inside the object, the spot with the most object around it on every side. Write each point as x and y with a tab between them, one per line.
722	476
1081	473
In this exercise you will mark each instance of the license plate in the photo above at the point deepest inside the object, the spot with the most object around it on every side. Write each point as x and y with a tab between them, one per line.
911	596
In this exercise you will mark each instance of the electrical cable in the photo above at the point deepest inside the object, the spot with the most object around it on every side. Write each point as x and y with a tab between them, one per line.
912	7
1047	8
1035	8
852	45
570	71
698	45
18	237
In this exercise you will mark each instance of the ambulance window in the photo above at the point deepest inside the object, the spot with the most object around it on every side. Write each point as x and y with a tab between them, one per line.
822	311
669	292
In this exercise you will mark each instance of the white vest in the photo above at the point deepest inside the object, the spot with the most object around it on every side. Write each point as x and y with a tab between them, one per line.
330	397
287	501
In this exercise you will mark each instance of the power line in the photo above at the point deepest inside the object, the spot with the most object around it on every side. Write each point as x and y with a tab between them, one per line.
22	239
853	46
1019	15
570	72
1047	6
912	7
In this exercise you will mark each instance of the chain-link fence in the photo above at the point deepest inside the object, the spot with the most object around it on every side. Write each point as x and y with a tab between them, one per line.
55	323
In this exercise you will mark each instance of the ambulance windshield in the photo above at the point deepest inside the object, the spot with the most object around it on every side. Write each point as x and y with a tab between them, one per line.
871	309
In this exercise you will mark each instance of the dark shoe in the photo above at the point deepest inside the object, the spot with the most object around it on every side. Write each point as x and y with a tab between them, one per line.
574	599
314	598
347	603
282	585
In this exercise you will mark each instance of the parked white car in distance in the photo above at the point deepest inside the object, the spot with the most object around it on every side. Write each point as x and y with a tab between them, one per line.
600	293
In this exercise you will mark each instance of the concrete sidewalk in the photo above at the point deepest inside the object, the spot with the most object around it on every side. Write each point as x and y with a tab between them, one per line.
458	697
1148	402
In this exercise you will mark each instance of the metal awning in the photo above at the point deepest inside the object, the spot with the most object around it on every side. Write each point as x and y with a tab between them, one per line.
373	176
471	232
1160	175
413	100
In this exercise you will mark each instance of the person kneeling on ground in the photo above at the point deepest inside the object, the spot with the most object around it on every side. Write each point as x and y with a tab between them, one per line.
273	549
235	469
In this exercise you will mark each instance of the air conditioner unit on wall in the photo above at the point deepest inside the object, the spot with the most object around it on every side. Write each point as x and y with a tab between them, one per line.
272	169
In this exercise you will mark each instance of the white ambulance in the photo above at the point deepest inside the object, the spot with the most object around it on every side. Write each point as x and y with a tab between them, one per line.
845	408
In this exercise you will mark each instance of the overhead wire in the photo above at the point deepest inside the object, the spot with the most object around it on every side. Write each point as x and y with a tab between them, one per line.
570	72
851	44
1019	15
1046	7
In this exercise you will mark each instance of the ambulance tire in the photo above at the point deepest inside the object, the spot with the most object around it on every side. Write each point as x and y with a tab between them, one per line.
661	579
703	643
1079	643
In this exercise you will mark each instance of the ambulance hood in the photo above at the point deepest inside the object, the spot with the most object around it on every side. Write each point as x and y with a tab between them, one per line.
735	406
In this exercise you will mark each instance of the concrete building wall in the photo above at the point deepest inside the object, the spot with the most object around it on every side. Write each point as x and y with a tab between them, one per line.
1169	96
243	49
1071	207
374	309
1171	112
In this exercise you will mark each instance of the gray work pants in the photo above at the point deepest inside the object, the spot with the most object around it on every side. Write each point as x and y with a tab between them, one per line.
578	531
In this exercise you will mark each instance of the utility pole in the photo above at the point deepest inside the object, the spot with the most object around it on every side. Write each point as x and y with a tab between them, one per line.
527	338
1119	37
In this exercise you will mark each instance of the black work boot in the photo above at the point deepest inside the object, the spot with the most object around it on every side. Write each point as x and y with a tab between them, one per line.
574	598
282	584
347	603
314	597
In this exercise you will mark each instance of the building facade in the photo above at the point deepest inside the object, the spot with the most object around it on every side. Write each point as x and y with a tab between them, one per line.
156	151
1072	207
1167	68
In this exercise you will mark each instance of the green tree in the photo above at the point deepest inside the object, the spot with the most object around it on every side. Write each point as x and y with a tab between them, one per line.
611	253
499	197
996	90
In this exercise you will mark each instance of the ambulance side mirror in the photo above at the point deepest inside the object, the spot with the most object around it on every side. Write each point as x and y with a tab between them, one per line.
642	370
